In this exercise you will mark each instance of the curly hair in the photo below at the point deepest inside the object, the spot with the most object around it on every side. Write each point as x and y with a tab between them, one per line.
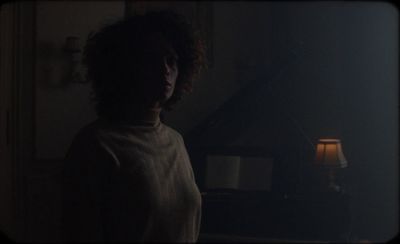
110	53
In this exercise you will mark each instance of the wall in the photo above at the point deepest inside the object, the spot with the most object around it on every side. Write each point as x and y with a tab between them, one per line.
347	87
344	85
61	107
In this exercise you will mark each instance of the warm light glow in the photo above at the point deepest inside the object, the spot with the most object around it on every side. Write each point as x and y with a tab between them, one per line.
329	154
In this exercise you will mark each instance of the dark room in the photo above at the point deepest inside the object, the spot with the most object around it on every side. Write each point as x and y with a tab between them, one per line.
199	121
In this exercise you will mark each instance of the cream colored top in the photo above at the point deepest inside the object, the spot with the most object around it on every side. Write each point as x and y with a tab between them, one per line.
130	183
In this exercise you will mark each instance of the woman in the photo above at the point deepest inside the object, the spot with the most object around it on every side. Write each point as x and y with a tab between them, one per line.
127	175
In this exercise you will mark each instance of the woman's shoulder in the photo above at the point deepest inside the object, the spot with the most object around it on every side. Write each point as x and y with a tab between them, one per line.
88	133
91	137
172	132
89	144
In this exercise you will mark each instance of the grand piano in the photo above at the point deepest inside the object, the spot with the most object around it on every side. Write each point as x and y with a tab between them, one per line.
254	124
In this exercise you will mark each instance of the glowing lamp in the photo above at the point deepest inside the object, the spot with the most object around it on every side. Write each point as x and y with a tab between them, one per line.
329	156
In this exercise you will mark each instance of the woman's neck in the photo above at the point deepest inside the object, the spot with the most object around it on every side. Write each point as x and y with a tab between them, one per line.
137	116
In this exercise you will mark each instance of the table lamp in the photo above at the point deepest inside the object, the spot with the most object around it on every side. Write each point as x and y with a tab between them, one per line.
329	157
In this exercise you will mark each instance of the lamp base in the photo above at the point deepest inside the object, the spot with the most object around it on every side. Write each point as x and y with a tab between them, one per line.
325	181
334	187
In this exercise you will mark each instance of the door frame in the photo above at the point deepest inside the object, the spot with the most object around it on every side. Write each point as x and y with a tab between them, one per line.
17	31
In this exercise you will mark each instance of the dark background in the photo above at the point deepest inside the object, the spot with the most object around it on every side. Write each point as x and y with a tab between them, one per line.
339	63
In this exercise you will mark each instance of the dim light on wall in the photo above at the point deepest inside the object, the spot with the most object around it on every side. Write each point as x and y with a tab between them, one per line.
72	47
329	157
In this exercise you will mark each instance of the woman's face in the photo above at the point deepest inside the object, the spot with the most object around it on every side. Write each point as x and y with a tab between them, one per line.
157	69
